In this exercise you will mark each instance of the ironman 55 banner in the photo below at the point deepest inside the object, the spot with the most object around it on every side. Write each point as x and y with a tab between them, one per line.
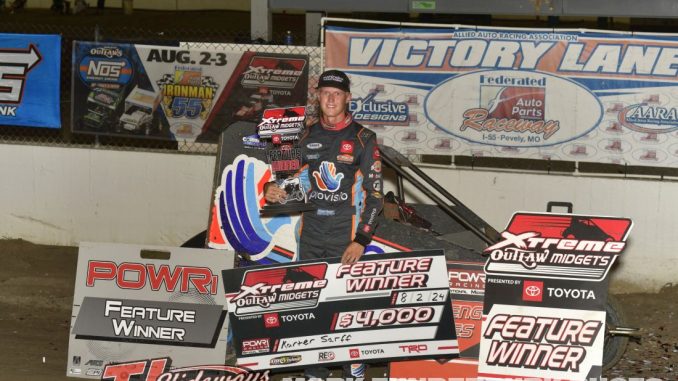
178	94
561	95
29	80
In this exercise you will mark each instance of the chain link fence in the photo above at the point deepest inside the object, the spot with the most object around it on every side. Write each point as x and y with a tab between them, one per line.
176	36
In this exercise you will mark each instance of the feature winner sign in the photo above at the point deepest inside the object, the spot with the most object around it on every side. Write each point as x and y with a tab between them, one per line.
390	306
556	95
545	295
128	307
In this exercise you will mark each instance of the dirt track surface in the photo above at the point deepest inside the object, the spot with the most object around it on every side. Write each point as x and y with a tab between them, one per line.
37	290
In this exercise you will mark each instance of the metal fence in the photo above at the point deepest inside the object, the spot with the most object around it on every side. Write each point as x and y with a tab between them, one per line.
189	37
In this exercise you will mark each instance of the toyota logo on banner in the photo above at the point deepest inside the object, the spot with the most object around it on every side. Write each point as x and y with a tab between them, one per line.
533	291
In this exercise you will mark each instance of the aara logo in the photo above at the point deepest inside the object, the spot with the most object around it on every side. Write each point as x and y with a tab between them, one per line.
326	356
372	111
415	348
271	320
649	119
298	317
255	346
137	276
570	293
533	291
354	353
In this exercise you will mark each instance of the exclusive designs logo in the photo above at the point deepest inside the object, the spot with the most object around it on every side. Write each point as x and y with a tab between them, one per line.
187	93
280	289
371	111
559	247
273	72
327	179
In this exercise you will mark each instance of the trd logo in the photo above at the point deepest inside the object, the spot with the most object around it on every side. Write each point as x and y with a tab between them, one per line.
271	320
14	66
533	291
354	353
416	348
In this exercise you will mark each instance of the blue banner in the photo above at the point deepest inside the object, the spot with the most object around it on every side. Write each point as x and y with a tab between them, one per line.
29	80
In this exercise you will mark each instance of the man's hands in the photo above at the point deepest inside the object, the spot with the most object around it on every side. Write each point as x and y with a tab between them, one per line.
352	253
273	193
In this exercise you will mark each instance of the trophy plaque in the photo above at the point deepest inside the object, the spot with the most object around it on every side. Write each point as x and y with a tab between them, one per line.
283	127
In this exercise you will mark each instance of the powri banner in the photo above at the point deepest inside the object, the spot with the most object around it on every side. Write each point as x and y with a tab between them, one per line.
562	95
29	80
389	306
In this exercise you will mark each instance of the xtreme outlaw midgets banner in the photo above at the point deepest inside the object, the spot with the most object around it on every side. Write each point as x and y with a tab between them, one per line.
388	306
545	294
176	93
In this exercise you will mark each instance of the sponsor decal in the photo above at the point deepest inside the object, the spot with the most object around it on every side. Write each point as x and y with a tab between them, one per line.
371	111
105	65
298	317
346	147
137	276
376	166
325	212
466	282
276	139
649	118
376	154
93	372
570	293
326	178
314	156
575	247
282	121
376	194
273	72
94	363
354	353
271	320
314	145
252	141
367	228
533	291
161	369
413	348
278	289
376	185
15	64
256	346
285	360
187	93
348	159
326	356
371	352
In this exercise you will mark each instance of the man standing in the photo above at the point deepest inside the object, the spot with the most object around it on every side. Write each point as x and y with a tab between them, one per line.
341	171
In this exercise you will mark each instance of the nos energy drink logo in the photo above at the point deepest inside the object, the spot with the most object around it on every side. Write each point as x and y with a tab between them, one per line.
103	69
327	178
371	111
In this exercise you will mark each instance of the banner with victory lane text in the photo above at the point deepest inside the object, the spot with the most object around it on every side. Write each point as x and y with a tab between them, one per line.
545	296
384	307
176	93
133	303
30	68
608	97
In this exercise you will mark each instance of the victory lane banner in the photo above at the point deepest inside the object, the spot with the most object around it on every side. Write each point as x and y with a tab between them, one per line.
385	307
545	295
593	96
181	94
29	80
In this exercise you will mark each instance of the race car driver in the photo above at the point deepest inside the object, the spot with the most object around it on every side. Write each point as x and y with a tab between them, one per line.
342	173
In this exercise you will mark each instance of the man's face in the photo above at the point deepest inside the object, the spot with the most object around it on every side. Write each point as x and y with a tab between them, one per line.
333	101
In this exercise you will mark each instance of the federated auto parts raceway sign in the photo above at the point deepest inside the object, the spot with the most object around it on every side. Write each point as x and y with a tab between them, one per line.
561	95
